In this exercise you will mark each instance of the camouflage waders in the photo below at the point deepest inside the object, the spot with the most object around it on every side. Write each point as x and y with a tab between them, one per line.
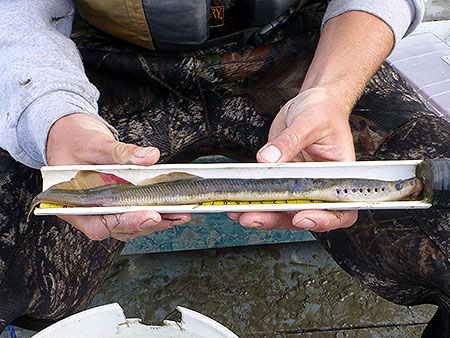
222	100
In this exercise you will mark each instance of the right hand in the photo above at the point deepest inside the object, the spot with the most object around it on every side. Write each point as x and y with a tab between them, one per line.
312	127
85	139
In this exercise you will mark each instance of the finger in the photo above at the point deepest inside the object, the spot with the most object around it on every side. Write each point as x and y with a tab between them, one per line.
119	226
124	153
84	139
168	221
323	220
234	215
176	219
89	225
107	151
286	146
288	133
267	220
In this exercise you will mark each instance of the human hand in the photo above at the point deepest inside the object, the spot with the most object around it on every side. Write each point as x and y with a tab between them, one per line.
84	139
313	126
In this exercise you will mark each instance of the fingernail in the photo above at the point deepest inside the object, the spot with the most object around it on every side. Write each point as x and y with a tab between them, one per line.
270	153
141	152
305	223
148	224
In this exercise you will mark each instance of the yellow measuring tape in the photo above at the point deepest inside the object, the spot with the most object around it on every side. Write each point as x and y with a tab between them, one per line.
258	202
215	203
51	206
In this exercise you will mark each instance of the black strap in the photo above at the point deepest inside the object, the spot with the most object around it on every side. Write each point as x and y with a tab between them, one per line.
254	36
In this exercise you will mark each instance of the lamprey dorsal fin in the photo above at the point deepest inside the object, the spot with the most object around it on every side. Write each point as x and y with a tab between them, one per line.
173	176
84	179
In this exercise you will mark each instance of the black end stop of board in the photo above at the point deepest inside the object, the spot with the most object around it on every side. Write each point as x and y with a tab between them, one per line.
435	175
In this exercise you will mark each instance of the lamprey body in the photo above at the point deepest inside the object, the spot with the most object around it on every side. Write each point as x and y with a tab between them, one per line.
192	191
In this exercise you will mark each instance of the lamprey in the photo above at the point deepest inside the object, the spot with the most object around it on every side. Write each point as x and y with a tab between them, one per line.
196	190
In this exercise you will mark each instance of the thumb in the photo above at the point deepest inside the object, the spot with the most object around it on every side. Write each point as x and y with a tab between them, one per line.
288	133
285	146
124	153
84	139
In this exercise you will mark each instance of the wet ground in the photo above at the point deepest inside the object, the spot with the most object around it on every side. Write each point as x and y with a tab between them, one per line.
259	291
437	10
282	290
272	290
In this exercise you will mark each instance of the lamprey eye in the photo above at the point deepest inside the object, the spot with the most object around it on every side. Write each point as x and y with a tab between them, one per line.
399	186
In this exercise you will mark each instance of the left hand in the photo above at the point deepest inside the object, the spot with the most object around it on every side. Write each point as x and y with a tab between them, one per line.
313	126
84	139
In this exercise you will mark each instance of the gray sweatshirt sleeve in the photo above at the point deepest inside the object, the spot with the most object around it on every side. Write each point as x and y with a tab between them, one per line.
42	77
402	16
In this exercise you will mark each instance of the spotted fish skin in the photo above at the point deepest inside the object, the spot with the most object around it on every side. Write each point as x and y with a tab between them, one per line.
192	191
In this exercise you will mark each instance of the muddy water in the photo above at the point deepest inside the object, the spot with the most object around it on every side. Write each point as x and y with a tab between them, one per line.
254	291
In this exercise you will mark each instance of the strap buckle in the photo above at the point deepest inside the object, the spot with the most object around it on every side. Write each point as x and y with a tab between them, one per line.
266	29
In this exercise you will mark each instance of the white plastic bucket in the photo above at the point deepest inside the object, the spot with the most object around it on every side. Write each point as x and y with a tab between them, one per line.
109	321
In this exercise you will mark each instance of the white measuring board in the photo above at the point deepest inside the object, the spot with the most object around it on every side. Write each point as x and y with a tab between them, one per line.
381	170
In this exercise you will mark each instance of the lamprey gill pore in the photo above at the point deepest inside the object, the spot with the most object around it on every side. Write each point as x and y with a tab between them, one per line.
193	190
